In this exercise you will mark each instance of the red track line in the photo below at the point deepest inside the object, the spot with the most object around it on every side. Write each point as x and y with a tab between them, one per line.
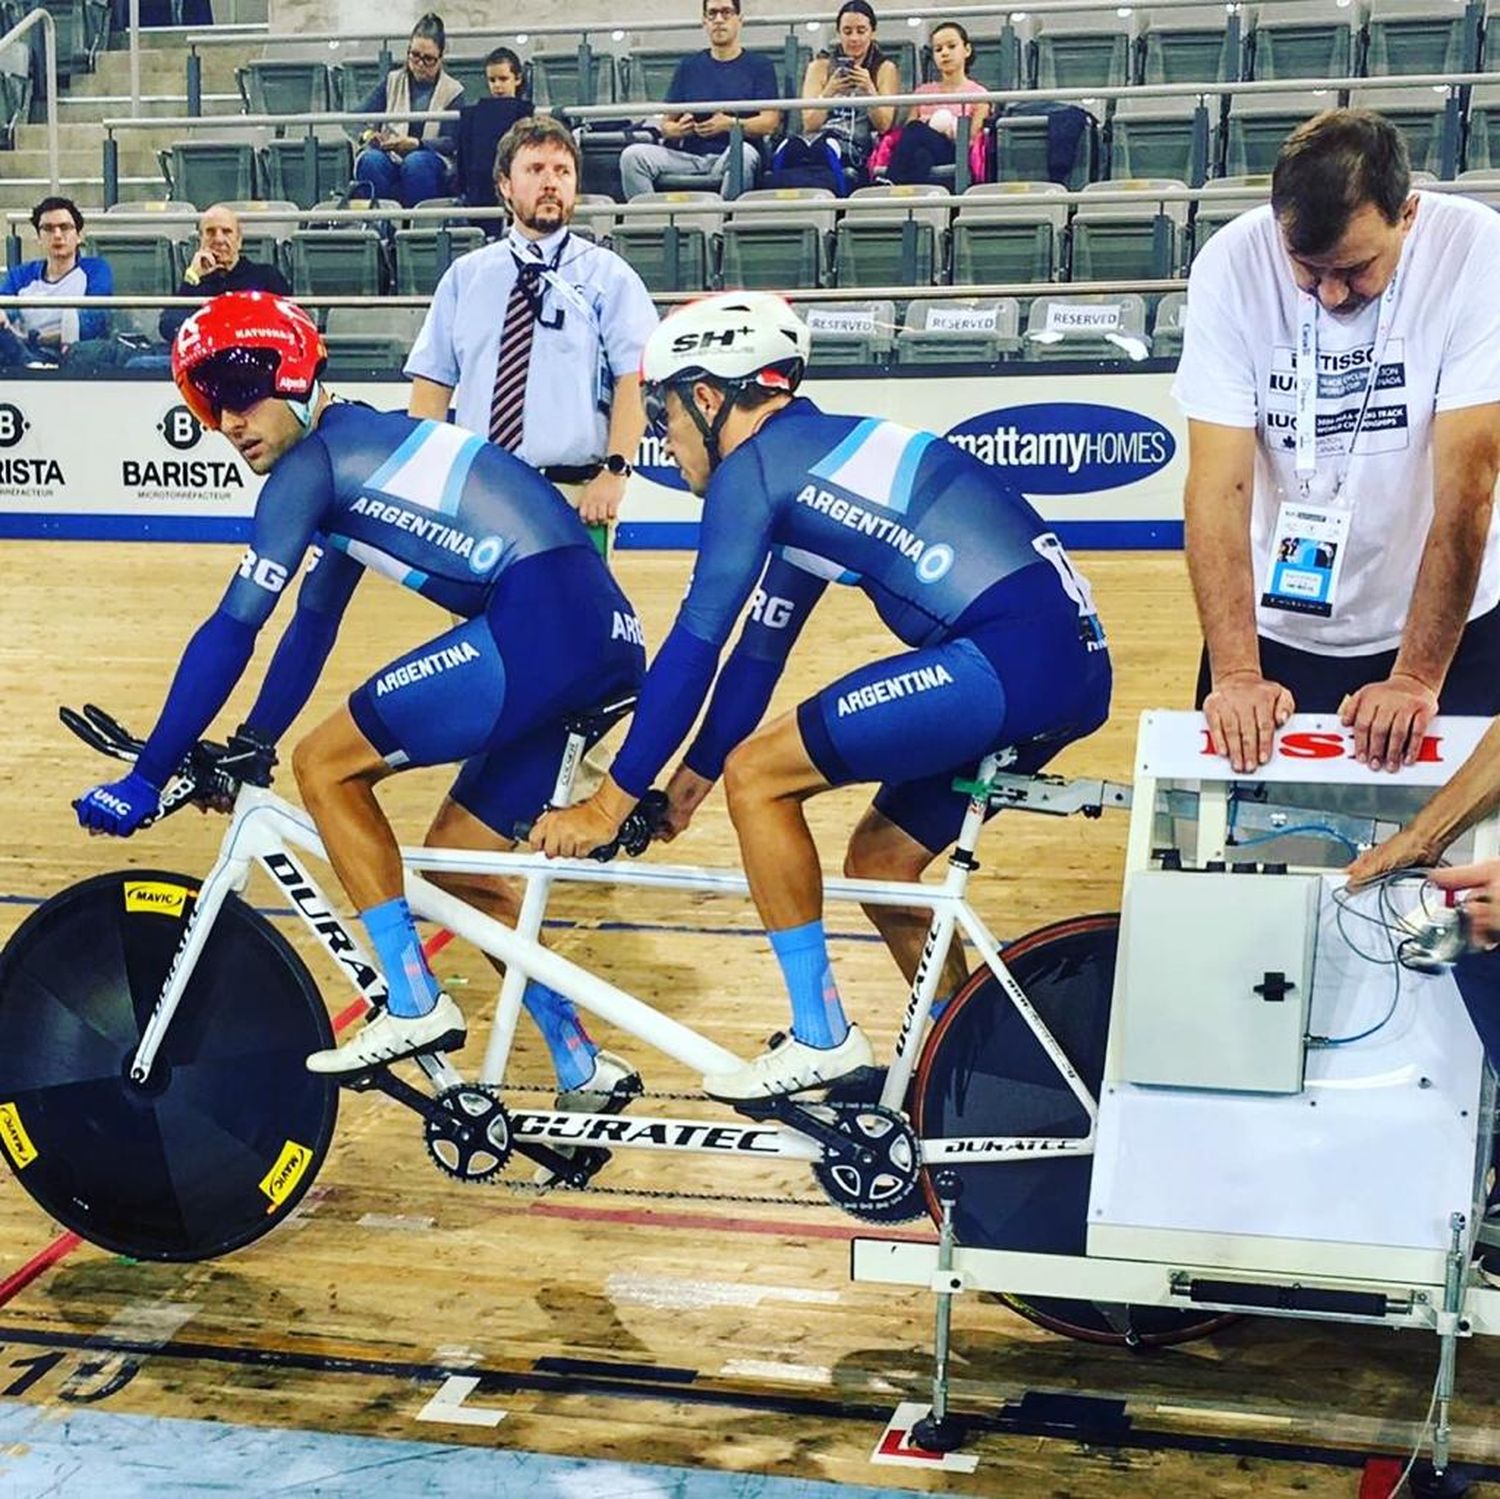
42	1261
651	1218
430	949
1379	1477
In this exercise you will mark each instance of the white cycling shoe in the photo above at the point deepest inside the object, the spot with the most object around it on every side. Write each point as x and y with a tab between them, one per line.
791	1066
610	1088
388	1038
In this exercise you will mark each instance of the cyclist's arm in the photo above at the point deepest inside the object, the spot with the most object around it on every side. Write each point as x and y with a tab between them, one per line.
286	519
326	589
778	610
732	544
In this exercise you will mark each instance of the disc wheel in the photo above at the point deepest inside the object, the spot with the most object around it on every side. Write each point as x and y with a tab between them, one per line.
470	1138
877	1176
227	1133
983	1072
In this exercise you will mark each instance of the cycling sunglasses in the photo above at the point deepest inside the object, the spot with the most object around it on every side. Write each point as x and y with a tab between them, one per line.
234	380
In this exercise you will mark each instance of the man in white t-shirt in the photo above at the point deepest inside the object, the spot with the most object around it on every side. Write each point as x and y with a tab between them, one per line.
1339	533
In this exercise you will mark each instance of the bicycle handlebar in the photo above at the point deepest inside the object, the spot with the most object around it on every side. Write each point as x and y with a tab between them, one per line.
210	773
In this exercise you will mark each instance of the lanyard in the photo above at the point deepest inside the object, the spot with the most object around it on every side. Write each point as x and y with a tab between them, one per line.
542	270
1306	375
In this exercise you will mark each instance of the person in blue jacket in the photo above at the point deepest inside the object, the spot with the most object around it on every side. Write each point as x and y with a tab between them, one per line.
43	333
542	631
1001	650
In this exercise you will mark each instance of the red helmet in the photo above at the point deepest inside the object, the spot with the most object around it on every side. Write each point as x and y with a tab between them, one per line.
242	348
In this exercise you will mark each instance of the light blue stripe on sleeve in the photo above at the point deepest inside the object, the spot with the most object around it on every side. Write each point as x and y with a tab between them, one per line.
906	471
400	458
458	474
826	468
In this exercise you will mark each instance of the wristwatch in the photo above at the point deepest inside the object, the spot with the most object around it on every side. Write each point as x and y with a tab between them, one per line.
618	463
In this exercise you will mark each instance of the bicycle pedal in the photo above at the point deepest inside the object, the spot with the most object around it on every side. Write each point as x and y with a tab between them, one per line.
448	1041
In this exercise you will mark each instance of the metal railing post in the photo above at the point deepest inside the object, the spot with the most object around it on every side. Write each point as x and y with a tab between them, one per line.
734	172
585	70
111	169
135	59
962	136
310	164
194	83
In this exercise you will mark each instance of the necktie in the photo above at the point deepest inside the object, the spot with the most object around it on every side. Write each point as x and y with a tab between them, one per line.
507	405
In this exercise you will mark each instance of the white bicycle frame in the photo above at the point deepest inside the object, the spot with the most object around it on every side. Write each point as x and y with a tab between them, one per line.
265	830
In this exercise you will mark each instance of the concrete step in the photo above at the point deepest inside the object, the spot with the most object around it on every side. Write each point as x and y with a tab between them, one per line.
77	163
153	106
169	67
87	136
18	195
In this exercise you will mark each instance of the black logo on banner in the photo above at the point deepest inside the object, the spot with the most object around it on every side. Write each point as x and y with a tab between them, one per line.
13	425
180	428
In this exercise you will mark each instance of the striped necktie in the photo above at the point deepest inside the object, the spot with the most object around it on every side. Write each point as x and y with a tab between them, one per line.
508	404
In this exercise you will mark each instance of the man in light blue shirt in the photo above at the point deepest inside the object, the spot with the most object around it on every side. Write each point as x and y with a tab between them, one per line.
583	416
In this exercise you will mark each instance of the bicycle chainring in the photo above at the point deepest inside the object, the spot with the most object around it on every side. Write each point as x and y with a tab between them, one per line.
470	1139
875	1172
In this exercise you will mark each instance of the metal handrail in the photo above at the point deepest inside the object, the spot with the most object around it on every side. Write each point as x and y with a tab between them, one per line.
808	20
633	108
802	294
43	18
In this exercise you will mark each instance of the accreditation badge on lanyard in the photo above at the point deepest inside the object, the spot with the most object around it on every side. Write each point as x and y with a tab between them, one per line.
1309	543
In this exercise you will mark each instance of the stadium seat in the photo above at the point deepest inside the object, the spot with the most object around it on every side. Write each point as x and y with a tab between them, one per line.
282	83
997	59
1128	241
1162	138
15	90
1168	326
337	262
421	257
1421	114
1083	49
594	216
1420	36
285	166
965	330
1241	193
355	76
146	262
1482	185
210	171
851	333
1190	44
1259	123
1304	39
885	239
1022	149
1482	138
644	241
555	79
368	341
1009	232
1087	327
767	252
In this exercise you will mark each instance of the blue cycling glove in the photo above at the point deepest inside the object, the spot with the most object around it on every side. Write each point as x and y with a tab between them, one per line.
119	807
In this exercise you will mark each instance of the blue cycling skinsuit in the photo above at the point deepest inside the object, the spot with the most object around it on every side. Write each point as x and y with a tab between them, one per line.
545	630
1006	649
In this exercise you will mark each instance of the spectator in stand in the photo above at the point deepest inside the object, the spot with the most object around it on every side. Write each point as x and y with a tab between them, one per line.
856	66
43	334
698	141
927	139
503	75
396	163
217	267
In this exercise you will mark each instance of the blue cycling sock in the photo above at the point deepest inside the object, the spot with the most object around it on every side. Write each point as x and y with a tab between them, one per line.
817	1016
939	1004
573	1049
393	935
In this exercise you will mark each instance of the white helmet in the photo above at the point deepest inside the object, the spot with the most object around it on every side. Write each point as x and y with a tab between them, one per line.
733	339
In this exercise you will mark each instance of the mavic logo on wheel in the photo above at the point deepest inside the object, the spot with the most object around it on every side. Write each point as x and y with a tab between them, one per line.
18	1144
290	1166
154	898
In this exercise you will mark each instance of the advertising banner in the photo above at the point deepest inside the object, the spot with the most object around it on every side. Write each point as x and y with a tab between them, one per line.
1102	456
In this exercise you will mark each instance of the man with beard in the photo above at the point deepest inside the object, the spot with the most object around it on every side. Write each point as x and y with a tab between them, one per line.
541	333
1341	378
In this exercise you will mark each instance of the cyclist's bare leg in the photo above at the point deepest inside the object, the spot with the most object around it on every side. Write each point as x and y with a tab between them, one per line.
766	780
337	770
879	850
573	1052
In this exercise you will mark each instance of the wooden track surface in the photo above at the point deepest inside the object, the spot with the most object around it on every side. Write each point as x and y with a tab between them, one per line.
345	1318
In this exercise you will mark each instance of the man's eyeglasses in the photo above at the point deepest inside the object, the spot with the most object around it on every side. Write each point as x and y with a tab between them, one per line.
719	13
428	59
